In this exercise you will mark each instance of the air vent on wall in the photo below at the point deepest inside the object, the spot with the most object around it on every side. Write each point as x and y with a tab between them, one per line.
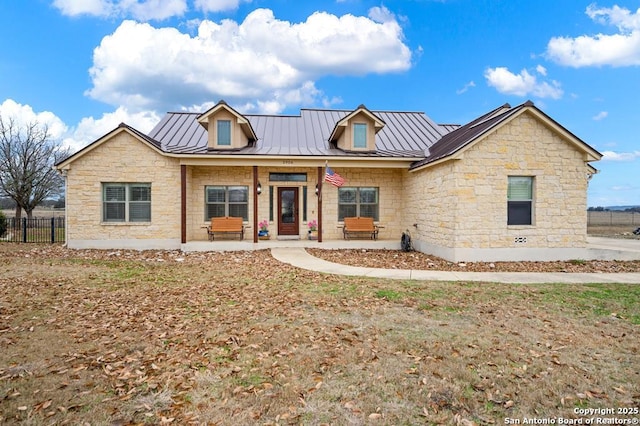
520	240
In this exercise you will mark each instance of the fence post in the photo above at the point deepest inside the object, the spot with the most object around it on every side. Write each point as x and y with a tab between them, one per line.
53	230
24	229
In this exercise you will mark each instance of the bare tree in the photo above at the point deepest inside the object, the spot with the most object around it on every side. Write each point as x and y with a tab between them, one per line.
27	156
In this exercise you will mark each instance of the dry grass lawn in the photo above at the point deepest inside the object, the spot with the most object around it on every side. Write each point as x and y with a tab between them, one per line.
120	338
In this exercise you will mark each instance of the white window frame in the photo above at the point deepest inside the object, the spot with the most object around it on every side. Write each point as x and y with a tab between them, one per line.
515	199
127	202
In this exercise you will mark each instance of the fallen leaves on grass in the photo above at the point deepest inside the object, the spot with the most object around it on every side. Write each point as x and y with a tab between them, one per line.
163	337
395	259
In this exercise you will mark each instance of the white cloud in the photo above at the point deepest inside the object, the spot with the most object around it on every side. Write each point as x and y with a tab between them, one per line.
600	116
84	7
217	5
139	9
620	156
622	188
618	16
466	88
621	49
381	14
522	84
23	115
541	70
88	130
261	61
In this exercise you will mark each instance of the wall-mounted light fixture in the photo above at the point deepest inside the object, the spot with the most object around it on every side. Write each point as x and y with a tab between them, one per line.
317	189
259	188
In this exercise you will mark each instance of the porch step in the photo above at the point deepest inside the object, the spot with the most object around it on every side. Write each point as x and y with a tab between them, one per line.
287	237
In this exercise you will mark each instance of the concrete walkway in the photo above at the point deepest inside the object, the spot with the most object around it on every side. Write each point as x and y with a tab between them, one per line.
299	257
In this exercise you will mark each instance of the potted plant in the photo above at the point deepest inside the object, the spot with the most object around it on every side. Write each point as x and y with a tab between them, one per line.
313	229
263	232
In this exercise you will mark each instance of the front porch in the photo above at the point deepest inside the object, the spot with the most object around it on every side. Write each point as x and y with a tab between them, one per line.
287	198
231	245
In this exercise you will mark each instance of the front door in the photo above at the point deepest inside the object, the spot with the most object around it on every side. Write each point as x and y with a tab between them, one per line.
288	202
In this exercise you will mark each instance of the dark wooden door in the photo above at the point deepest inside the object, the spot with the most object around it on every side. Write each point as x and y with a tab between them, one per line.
288	223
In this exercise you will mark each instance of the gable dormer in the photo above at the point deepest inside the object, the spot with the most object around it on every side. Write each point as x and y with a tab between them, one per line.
357	131
227	129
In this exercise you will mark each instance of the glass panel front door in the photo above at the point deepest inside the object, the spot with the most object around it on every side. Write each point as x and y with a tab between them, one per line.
288	223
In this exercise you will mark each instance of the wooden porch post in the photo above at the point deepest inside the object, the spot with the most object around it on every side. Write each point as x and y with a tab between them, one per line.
183	203
319	204
255	204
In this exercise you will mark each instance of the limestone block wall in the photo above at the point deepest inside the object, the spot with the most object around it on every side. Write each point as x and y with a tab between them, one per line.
197	179
391	200
523	147
431	203
122	159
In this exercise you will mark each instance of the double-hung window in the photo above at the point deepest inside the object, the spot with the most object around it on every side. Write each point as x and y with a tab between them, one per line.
224	132
126	202
520	200
359	135
358	201
223	201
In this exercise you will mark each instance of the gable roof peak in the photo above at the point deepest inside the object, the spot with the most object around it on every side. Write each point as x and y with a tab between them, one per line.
529	103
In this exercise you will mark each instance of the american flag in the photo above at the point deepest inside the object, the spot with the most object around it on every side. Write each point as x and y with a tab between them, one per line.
333	178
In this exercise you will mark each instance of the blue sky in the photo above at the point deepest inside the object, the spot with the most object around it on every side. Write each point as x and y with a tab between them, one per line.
84	66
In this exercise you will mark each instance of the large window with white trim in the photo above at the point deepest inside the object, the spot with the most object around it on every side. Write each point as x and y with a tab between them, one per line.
358	201
520	200
221	201
126	202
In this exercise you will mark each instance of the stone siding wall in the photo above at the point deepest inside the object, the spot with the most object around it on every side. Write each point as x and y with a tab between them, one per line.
197	179
122	159
524	147
464	202
431	204
391	202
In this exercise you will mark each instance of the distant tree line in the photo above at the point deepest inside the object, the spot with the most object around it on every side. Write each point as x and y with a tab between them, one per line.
635	209
7	203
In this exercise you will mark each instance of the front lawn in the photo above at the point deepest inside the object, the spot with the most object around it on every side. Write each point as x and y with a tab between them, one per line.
123	337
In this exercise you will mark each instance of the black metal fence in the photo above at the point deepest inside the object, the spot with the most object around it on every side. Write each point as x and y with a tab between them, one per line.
38	230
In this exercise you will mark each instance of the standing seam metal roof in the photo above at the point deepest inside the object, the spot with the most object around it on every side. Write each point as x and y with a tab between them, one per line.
406	134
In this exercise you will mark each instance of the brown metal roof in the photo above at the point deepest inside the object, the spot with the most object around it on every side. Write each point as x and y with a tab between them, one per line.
462	136
405	134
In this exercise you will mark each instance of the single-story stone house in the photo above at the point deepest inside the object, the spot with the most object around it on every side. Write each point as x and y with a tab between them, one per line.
509	185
